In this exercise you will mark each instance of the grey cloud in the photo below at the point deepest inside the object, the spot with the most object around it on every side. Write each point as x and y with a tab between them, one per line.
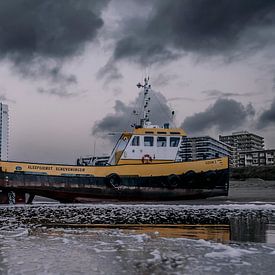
181	98
212	94
59	91
56	75
123	116
4	98
206	27
109	73
267	118
52	71
163	79
59	81
223	115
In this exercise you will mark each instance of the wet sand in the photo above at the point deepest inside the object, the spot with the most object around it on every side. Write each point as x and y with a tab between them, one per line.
250	190
223	235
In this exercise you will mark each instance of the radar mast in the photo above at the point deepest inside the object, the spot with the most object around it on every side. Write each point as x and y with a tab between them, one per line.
144	116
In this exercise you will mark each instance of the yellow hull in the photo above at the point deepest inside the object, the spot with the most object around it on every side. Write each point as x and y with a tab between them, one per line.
132	169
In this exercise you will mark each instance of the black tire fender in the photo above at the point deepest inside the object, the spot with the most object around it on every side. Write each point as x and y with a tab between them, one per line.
173	181
113	180
210	177
190	178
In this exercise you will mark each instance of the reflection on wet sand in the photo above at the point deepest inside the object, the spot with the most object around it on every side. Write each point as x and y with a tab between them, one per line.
219	233
214	232
241	228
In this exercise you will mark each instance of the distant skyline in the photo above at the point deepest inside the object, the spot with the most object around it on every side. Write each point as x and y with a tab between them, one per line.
69	70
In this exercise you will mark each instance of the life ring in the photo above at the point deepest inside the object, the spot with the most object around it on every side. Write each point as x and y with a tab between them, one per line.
113	180
146	159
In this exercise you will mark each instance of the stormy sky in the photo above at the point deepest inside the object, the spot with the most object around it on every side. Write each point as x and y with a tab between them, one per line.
69	70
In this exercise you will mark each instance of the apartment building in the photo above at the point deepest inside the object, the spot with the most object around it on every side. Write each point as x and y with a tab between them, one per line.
205	147
242	142
257	158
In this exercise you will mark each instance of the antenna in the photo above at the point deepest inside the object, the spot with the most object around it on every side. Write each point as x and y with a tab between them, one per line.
94	148
144	116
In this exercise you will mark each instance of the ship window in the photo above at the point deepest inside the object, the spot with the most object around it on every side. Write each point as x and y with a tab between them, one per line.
161	142
148	141
135	141
174	141
175	133
149	132
162	133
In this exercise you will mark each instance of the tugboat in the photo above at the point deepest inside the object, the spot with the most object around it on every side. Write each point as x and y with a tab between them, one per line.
143	166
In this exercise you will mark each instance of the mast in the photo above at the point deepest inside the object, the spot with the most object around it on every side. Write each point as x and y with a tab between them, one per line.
144	115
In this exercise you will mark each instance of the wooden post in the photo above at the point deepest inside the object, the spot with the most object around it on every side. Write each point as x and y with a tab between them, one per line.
4	197
20	198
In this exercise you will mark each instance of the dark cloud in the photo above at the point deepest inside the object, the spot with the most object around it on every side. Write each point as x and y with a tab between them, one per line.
267	118
223	115
47	28
123	117
38	36
143	50
205	27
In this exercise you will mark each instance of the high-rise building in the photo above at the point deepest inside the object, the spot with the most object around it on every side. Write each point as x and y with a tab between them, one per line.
257	158
198	148
242	142
4	131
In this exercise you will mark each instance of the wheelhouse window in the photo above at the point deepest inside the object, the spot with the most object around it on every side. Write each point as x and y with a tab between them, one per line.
135	141
161	142
174	141
148	141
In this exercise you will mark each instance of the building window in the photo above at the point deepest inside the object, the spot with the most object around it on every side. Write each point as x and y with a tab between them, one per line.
174	141
148	141
161	142
135	141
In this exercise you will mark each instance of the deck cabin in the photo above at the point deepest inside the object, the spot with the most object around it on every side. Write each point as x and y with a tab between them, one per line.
147	145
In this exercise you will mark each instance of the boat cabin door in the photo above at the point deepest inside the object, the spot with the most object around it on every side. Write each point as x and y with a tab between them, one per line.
118	150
